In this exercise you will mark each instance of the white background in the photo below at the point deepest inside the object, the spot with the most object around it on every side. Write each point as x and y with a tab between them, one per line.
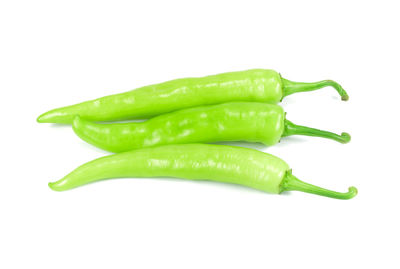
55	53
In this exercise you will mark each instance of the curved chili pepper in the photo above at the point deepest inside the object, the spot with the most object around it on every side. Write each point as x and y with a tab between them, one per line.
256	85
237	121
248	167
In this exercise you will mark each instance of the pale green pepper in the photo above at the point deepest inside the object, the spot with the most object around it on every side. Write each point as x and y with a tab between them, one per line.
237	121
256	85
248	167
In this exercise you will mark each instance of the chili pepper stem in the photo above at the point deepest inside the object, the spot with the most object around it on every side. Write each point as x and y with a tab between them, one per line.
290	87
292	183
293	129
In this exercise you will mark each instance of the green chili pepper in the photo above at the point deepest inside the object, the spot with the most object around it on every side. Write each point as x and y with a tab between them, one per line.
254	122
257	85
228	164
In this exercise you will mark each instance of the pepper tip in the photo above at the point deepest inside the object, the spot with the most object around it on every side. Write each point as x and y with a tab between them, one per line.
76	121
53	186
40	119
45	118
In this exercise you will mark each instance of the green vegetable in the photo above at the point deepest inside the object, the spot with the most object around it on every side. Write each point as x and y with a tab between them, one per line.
254	122
257	85
228	164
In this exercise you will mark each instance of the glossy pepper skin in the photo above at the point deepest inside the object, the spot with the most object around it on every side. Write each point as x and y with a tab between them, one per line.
237	121
247	167
256	85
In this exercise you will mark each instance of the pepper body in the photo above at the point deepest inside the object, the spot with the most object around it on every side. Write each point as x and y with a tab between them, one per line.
256	85
228	164
254	122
